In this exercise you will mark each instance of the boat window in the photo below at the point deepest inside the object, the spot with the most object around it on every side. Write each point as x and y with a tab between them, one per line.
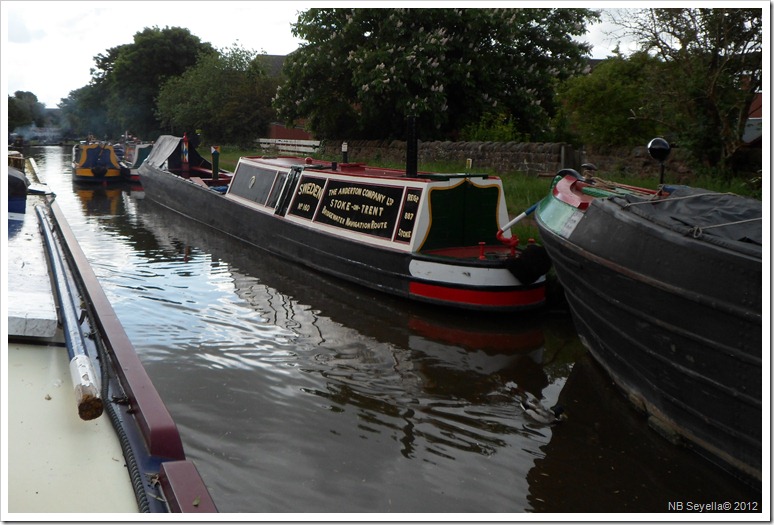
253	182
275	191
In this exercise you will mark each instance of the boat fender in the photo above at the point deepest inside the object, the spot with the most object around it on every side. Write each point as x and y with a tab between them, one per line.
99	171
532	263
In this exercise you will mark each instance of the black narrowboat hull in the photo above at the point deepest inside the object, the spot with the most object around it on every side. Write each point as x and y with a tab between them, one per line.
676	323
376	267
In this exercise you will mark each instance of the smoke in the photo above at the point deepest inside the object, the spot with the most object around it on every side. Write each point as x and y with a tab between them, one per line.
31	133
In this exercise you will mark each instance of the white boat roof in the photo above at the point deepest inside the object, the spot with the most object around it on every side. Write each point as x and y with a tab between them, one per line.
57	462
355	169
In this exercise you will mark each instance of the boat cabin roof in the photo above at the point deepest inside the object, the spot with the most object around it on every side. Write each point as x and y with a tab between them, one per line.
354	169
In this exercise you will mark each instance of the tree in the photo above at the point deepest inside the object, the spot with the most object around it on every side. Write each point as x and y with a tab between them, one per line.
362	71
24	109
133	74
599	108
227	94
712	70
86	112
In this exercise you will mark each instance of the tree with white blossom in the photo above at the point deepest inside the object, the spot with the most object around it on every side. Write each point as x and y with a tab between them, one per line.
361	72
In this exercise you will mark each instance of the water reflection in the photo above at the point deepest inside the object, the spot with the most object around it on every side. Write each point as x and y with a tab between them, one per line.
296	393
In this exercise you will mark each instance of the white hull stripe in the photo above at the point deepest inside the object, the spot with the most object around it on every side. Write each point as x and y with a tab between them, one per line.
462	275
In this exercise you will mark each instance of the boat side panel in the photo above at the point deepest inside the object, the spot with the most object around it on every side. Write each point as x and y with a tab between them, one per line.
725	279
340	257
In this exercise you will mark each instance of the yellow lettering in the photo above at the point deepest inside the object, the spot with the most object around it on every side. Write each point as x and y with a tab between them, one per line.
310	188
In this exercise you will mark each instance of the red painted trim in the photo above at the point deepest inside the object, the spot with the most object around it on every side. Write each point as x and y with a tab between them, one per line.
484	298
564	191
184	489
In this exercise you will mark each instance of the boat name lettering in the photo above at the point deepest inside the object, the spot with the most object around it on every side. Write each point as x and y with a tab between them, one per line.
307	199
310	188
362	225
340	205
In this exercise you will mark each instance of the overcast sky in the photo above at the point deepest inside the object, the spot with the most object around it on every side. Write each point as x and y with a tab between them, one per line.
48	48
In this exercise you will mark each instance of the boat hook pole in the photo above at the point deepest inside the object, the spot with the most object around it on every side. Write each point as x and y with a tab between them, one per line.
513	241
87	390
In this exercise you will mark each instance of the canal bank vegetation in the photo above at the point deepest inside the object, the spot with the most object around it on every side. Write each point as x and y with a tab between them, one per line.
466	74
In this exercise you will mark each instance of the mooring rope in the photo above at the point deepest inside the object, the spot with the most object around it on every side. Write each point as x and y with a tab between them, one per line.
655	200
697	231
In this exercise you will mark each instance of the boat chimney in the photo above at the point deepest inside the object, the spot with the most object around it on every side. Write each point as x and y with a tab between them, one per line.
412	147
344	153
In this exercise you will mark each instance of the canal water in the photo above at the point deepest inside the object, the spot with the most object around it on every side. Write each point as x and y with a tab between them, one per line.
296	393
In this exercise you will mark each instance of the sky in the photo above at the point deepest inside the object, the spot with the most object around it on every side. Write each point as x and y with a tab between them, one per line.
48	47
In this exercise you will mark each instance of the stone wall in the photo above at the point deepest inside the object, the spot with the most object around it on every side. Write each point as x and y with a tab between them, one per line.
532	158
636	162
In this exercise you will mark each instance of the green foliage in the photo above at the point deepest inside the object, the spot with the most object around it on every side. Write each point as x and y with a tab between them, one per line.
361	72
226	94
86	113
600	108
142	67
711	69
24	109
494	128
126	80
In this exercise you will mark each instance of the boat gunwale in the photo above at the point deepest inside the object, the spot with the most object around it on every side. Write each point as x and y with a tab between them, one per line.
185	489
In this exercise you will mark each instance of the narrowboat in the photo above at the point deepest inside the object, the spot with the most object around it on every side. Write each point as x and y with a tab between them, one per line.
135	154
665	287
430	237
86	428
98	162
17	183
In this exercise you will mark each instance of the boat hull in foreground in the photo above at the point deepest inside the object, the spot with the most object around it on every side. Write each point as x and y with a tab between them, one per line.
673	313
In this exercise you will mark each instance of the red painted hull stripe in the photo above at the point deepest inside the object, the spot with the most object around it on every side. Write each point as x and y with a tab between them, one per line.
479	297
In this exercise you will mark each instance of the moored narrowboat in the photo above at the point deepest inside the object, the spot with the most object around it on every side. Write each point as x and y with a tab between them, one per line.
430	237
98	162
135	154
665	289
17	183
